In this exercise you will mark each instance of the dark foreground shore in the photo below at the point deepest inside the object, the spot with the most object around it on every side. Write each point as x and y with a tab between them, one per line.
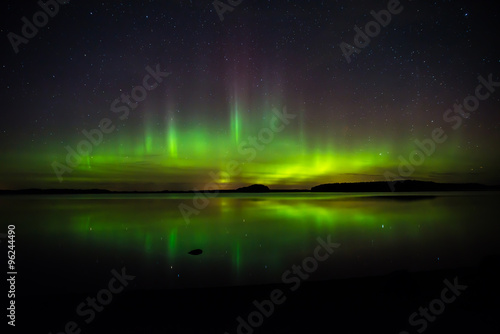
464	300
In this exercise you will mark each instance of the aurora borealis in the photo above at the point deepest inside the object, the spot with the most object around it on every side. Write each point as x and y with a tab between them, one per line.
227	82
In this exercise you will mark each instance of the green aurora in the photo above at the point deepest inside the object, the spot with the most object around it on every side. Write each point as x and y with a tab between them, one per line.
171	153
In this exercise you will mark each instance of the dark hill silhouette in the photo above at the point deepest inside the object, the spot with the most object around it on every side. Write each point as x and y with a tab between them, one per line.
400	186
381	186
254	188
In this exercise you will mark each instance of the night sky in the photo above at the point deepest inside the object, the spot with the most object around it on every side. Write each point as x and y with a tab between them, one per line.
212	110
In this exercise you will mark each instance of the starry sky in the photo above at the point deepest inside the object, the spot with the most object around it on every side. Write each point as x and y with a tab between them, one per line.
212	114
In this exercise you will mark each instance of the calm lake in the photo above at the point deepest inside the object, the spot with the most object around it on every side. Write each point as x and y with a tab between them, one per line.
71	243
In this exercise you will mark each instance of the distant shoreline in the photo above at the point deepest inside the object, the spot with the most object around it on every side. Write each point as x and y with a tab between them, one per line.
381	186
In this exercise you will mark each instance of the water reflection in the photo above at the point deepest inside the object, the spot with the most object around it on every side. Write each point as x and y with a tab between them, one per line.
250	239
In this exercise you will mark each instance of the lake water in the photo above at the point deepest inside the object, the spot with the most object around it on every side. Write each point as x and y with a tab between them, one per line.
71	243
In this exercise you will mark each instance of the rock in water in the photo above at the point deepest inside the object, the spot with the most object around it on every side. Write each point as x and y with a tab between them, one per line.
196	252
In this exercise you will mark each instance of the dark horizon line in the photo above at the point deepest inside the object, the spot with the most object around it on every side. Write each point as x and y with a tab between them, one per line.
372	186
